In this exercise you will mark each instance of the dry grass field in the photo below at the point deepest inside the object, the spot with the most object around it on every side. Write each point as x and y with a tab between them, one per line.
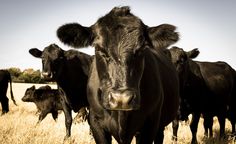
19	126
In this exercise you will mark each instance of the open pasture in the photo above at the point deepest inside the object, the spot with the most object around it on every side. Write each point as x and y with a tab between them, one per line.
19	126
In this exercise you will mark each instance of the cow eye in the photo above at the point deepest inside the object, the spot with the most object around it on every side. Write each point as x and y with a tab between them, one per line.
181	61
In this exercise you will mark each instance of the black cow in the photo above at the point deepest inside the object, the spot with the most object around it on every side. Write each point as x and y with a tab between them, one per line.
69	69
5	77
47	100
205	88
132	87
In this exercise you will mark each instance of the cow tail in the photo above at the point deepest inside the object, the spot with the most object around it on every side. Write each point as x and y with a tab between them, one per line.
12	97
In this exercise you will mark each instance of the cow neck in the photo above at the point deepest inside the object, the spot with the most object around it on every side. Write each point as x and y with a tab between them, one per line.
122	124
73	87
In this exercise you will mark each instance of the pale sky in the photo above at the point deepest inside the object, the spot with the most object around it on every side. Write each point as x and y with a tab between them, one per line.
209	25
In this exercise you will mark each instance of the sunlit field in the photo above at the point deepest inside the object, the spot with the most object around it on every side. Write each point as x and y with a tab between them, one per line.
19	126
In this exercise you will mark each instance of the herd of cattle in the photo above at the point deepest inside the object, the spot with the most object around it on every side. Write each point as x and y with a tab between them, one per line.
133	85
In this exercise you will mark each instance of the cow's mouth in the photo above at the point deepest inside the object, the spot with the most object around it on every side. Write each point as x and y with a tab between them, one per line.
47	76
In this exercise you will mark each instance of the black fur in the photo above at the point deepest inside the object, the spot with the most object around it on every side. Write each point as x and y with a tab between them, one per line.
69	69
206	88
5	77
47	100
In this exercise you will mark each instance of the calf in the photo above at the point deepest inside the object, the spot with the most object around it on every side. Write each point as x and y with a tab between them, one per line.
5	77
47	100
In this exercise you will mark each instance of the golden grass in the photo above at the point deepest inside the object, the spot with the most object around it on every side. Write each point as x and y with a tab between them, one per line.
19	126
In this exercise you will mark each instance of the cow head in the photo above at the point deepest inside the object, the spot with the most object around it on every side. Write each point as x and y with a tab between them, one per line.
32	94
52	60
120	40
29	95
180	58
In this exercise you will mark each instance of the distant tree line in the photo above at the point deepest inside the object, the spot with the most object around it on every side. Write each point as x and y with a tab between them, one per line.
26	76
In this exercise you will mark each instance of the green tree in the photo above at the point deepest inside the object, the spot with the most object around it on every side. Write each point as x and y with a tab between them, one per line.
15	73
27	76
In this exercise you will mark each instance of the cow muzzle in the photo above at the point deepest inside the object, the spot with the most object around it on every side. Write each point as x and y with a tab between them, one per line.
46	75
122	100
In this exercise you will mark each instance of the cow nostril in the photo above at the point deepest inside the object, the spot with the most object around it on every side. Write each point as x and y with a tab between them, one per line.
112	101
111	98
130	98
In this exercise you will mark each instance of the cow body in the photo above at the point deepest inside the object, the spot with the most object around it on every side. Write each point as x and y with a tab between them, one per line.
132	88
69	69
47	100
205	88
5	77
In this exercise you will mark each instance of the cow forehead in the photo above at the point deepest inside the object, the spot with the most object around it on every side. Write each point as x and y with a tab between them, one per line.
119	33
177	53
51	52
29	91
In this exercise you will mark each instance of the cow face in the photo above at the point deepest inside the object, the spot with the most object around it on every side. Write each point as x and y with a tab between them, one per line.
119	48
52	60
29	95
180	59
120	40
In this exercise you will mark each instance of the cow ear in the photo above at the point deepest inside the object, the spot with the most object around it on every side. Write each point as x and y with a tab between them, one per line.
33	87
163	35
75	35
193	53
35	52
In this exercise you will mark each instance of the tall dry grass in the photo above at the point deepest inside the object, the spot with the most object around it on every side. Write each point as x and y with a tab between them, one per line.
19	127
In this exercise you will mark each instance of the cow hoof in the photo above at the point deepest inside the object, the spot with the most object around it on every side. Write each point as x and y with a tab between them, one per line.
174	139
66	138
4	112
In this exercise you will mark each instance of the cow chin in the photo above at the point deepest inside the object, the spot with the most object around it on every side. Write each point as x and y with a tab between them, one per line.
125	101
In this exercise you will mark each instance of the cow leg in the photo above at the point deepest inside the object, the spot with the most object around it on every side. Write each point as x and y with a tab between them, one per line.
211	127
233	126
5	104
208	123
99	134
160	136
68	119
232	119
222	125
148	133
175	126
42	115
193	127
54	114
